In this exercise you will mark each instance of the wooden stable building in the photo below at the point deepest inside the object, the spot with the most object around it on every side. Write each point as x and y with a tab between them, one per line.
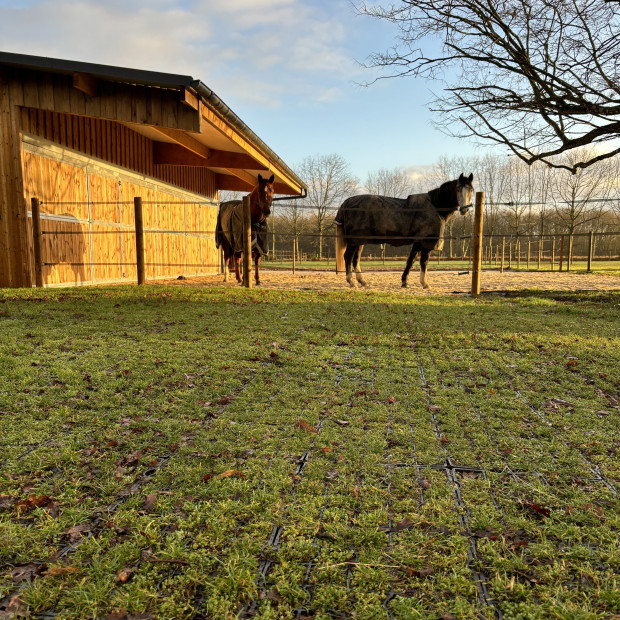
86	139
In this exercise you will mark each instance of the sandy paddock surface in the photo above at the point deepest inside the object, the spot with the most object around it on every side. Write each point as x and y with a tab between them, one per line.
441	282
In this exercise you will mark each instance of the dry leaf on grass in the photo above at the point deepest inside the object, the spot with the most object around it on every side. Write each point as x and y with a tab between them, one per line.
305	426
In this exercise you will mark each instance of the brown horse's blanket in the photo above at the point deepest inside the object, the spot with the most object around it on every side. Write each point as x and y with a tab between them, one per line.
230	228
398	221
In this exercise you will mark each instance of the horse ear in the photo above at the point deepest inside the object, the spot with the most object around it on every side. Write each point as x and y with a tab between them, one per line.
272	178
462	179
471	177
260	178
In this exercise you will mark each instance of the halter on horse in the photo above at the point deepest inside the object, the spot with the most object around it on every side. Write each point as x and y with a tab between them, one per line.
229	231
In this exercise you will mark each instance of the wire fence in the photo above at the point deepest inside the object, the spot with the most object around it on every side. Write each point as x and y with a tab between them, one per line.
73	245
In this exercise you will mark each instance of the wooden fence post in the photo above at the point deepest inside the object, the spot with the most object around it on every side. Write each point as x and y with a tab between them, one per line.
294	255
561	252
590	251
501	267
36	240
477	246
137	205
553	254
247	243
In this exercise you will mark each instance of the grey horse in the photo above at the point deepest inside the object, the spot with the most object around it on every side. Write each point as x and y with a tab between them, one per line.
418	220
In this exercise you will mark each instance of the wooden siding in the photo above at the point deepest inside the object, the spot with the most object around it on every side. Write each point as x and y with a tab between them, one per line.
127	103
114	143
87	214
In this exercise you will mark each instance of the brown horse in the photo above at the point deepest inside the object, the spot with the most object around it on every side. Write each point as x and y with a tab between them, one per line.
229	230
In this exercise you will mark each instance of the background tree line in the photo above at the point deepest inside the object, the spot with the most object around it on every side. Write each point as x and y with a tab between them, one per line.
520	200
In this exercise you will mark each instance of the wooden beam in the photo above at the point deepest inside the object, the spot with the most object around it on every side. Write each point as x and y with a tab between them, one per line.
250	179
235	184
85	83
189	99
232	183
185	140
210	119
165	153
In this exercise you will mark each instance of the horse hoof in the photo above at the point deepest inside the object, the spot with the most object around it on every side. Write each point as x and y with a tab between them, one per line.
403	285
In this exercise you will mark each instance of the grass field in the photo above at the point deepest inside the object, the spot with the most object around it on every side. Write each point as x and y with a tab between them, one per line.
611	267
225	453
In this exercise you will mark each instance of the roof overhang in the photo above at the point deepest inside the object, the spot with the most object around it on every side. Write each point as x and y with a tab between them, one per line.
199	130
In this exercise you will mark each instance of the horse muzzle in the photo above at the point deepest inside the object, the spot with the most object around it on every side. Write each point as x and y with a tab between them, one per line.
465	209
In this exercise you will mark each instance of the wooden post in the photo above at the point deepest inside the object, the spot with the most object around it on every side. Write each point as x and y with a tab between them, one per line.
294	255
137	205
501	265
247	243
510	255
476	265
561	252
529	242
539	251
36	240
553	254
590	248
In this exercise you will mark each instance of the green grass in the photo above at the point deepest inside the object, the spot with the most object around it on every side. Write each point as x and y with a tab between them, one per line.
610	268
192	453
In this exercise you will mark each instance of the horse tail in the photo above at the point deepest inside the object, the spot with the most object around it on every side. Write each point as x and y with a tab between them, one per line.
341	246
219	233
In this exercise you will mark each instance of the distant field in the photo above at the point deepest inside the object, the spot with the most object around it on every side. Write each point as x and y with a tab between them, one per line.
602	267
229	453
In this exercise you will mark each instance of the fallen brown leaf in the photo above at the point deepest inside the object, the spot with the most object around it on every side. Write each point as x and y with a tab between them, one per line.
124	575
149	502
305	426
229	473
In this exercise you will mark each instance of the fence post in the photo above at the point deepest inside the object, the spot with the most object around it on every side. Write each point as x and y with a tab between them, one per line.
561	252
36	240
294	255
247	243
529	241
553	254
501	267
137	206
477	246
590	251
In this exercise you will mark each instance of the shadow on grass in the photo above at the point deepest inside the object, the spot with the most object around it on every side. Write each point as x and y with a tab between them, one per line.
590	297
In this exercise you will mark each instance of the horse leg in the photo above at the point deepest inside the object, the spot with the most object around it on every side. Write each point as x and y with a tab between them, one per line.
412	256
350	251
358	271
237	261
226	251
423	263
257	266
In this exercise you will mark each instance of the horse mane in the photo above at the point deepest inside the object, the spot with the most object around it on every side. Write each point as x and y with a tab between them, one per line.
444	197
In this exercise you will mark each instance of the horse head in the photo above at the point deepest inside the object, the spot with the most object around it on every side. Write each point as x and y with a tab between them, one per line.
464	191
262	197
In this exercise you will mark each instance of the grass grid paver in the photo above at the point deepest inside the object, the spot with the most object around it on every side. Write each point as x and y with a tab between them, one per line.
189	453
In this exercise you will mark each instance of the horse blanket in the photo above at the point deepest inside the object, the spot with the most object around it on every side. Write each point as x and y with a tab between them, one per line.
398	221
230	227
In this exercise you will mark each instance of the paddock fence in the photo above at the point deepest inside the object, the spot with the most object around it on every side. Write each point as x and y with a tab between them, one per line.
165	238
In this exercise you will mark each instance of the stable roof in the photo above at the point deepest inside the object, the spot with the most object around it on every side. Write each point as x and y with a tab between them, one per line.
206	134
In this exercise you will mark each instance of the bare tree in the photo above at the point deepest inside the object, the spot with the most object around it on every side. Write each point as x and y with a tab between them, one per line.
384	182
549	65
329	181
580	197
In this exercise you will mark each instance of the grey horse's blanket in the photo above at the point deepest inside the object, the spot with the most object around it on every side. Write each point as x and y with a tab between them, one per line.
398	221
230	227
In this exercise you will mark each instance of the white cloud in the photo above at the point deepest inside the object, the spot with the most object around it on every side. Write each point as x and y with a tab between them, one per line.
258	50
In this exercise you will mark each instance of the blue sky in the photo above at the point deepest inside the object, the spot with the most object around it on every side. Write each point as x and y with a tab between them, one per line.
289	68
